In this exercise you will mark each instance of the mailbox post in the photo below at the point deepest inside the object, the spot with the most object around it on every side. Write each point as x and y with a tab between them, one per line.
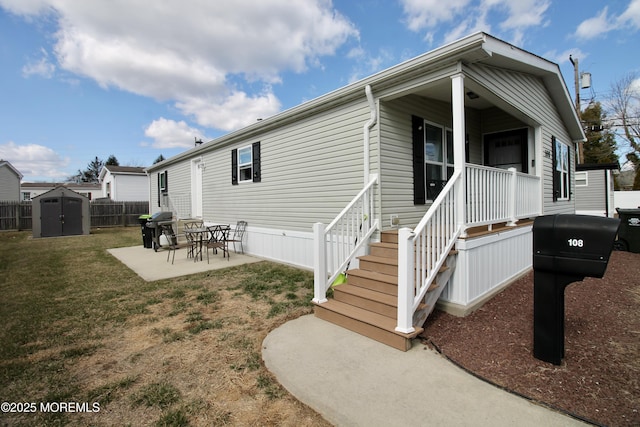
566	249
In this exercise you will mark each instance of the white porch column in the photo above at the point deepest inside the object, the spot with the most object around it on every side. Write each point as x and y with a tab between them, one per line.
459	136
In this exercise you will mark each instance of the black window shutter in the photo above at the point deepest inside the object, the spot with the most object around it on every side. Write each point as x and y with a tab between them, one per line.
159	189
255	151
554	166
417	131
234	167
166	181
569	152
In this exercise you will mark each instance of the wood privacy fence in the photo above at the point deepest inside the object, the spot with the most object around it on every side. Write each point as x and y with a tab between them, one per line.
17	215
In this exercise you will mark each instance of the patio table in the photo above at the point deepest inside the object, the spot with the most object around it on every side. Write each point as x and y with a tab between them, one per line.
197	235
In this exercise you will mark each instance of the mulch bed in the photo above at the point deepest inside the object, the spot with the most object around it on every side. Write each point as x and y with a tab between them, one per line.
599	378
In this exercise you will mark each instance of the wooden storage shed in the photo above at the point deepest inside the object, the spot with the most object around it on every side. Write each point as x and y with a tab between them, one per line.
60	212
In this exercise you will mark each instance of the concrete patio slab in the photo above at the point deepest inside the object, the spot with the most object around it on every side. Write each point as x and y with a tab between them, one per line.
151	265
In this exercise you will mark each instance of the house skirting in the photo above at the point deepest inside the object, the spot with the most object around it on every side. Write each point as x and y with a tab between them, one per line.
286	246
485	266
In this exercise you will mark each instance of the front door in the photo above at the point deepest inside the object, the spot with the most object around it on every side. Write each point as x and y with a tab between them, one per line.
506	150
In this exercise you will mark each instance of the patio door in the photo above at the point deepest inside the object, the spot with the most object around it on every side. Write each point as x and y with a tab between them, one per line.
506	150
197	169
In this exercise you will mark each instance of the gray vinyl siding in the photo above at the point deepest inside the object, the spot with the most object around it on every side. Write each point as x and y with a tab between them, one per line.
179	182
9	185
592	197
310	170
528	95
397	152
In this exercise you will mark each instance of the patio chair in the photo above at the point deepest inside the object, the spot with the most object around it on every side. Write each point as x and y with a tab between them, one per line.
218	239
174	243
238	235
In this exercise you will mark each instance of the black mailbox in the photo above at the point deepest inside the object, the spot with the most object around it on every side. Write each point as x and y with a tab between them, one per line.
566	249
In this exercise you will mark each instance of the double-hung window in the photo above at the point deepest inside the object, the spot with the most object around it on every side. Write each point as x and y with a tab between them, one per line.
561	171
245	164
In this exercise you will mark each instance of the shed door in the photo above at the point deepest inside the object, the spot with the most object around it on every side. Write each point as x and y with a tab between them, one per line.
50	213
71	216
60	216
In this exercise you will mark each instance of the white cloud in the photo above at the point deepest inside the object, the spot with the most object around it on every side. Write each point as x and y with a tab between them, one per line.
172	134
631	16
562	57
369	64
425	14
231	112
466	16
185	53
594	27
602	23
35	161
41	67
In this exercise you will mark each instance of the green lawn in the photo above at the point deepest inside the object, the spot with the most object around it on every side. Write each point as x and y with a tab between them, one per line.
79	326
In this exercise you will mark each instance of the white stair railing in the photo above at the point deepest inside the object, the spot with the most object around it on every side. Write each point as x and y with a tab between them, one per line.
424	250
338	243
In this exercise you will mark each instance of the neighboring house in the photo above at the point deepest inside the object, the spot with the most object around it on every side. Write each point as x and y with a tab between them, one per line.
124	183
595	189
9	182
29	190
422	150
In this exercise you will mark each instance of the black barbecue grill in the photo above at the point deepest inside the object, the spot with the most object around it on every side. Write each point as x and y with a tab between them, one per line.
155	224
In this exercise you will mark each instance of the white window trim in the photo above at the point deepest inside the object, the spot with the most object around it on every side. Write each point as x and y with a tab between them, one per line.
585	179
443	164
246	165
564	174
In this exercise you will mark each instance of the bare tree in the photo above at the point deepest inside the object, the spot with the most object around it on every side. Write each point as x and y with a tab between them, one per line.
625	118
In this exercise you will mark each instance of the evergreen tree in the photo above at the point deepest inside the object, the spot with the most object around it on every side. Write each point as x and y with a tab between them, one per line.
112	161
159	159
600	146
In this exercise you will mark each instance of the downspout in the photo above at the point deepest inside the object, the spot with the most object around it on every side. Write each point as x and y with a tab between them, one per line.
367	131
367	167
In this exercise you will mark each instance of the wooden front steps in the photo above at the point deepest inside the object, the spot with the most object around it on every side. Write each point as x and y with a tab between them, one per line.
367	303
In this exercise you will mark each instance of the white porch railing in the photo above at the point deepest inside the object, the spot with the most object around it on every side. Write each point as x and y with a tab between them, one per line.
424	250
338	243
498	195
492	196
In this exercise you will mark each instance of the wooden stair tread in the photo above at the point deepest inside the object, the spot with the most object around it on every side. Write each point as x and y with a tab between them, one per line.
385	245
368	294
380	259
385	323
373	275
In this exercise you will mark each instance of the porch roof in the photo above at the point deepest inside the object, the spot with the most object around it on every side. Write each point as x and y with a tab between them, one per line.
477	47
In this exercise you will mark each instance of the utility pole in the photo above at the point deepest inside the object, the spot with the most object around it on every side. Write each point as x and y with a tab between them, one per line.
576	78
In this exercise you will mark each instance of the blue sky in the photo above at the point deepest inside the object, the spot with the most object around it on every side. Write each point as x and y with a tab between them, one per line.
140	78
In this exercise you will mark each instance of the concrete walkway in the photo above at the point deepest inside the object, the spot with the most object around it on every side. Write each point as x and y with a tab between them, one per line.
151	265
355	381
